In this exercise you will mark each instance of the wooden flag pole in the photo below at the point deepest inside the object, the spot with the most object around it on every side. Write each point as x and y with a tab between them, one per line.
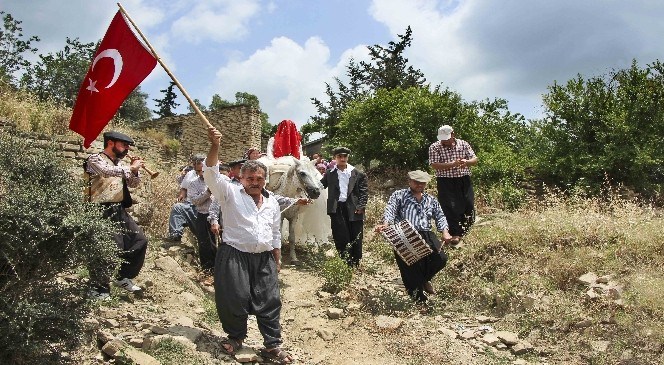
175	80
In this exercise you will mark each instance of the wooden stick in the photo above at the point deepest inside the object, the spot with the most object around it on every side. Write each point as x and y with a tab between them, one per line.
175	80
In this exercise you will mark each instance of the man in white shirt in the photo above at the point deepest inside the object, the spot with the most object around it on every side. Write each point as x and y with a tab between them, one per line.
183	213
248	259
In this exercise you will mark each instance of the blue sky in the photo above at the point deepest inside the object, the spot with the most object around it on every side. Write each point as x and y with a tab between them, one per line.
285	51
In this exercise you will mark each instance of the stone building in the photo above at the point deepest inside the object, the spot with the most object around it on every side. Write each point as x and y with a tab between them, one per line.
240	126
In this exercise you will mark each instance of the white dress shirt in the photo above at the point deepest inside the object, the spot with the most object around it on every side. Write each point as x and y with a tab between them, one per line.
246	227
344	179
189	178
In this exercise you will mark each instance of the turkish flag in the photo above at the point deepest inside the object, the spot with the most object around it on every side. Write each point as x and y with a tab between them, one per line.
121	63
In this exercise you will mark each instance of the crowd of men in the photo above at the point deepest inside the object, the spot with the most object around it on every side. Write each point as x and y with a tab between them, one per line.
236	223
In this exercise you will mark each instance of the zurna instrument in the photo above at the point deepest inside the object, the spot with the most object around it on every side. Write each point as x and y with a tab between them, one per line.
407	242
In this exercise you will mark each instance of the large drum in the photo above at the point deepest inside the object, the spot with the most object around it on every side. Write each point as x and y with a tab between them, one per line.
407	242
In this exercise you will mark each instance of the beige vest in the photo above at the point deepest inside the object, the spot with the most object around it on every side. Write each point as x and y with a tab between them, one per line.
105	189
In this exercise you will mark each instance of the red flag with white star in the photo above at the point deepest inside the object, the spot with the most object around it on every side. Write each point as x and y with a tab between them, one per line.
121	63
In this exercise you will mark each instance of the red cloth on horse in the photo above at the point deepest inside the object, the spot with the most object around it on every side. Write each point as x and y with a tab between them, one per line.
287	140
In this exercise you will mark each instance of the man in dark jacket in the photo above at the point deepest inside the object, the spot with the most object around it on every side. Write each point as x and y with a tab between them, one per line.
346	201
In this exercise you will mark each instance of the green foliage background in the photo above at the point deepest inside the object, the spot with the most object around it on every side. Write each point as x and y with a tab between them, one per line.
46	231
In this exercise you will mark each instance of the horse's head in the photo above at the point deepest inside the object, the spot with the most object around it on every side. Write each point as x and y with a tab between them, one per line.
307	178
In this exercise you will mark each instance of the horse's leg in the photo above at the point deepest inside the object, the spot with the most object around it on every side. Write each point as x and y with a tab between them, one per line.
291	239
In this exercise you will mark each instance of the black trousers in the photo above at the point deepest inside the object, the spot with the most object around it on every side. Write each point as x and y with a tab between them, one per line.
131	242
457	198
247	283
347	235
207	242
415	275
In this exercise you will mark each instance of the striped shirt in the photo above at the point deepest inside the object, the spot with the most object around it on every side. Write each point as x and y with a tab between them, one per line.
441	154
97	165
403	205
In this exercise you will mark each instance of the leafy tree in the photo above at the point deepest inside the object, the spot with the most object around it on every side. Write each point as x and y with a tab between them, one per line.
388	69
200	106
167	104
610	124
218	103
13	47
58	76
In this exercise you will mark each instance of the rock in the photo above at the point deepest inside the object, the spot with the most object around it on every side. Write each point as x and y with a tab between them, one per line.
522	347
325	334
110	322
614	292
520	362
193	334
158	330
104	336
450	333
91	324
188	298
324	295
592	294
485	319
304	304
331	253
501	346
388	323
246	354
584	323
184	321
603	279
334	313
130	355
587	278
148	283
136	342
150	342
599	346
467	334
112	347
490	339
508	338
352	307
347	322
173	269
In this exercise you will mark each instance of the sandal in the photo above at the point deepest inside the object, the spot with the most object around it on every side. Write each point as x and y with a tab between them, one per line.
234	346
277	355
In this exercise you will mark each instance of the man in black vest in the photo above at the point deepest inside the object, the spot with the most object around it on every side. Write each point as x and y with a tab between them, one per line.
346	201
110	179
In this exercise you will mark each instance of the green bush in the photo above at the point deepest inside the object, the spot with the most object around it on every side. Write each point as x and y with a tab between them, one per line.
45	231
337	275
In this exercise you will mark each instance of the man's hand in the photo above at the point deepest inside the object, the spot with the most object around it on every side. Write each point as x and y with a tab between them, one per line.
215	228
136	164
182	195
446	236
359	211
380	227
214	136
276	252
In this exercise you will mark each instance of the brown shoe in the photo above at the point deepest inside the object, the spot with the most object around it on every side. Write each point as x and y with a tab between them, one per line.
455	240
428	287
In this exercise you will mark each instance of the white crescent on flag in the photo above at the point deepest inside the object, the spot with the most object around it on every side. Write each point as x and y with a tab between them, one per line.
113	54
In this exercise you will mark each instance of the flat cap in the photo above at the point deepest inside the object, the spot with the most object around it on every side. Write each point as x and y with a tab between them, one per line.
419	175
117	136
341	151
237	162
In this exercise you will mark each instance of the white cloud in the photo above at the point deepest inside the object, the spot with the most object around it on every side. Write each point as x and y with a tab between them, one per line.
215	20
283	75
515	49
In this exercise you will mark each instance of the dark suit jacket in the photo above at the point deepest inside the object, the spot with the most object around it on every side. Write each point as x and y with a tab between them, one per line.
358	193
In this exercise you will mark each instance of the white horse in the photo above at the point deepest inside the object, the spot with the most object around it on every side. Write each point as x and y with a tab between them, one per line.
293	178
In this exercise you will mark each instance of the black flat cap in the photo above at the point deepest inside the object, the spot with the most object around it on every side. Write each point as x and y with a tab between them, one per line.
117	136
237	162
341	151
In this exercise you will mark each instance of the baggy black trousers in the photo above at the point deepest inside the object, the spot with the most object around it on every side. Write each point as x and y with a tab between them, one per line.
457	198
131	242
347	235
247	283
415	275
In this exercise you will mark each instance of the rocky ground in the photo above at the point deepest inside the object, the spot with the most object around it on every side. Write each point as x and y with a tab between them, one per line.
174	322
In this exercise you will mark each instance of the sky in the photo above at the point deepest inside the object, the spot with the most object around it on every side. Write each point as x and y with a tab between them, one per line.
285	51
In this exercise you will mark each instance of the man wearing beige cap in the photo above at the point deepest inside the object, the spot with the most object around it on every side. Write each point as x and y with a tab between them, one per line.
452	157
418	208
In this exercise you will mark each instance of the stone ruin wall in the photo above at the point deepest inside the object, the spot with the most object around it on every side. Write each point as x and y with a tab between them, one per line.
240	126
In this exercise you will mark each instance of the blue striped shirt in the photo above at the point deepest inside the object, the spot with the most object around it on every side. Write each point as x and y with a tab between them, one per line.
403	205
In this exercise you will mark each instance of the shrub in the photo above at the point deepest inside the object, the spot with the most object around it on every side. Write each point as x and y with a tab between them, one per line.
171	147
46	230
337	275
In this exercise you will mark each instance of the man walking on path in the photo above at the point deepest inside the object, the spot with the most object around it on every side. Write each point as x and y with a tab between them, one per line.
347	198
451	158
249	258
